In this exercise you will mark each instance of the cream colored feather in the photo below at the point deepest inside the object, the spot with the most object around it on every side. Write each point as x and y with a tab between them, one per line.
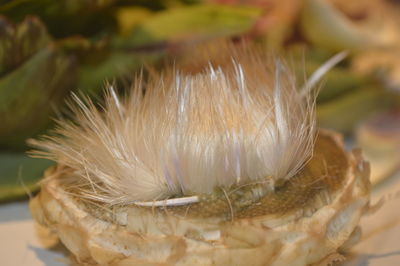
231	125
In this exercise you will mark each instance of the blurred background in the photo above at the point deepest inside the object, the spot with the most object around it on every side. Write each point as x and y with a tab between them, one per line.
50	48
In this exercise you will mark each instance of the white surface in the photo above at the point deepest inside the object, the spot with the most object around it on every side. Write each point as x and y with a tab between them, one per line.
23	243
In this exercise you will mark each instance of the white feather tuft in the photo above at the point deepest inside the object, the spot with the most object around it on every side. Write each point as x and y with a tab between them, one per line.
231	125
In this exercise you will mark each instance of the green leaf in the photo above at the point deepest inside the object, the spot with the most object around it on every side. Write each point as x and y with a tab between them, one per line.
19	173
65	17
193	23
19	42
129	17
324	26
343	113
337	82
117	65
18	9
29	95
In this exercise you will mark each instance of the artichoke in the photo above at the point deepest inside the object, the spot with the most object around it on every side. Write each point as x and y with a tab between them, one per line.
222	167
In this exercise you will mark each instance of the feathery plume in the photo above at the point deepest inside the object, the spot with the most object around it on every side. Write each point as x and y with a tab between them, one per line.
234	124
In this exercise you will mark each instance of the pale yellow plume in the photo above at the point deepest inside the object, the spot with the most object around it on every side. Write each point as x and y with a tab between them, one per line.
242	122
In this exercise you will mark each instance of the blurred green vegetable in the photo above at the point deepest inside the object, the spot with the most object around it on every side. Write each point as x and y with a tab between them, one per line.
192	23
30	93
326	27
116	65
19	175
19	42
130	17
64	17
337	82
343	113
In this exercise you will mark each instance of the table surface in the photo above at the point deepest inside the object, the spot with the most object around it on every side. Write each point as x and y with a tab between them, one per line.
23	242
